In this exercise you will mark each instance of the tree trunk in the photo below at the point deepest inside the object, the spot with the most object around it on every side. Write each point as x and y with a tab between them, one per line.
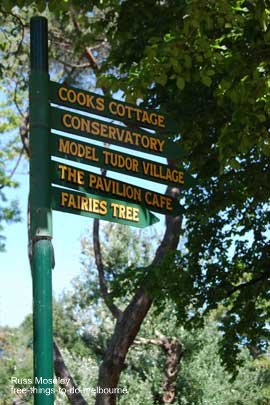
124	334
174	352
128	325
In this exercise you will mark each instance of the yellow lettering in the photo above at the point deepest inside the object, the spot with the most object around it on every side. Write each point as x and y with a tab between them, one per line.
161	121
100	104
114	209
96	206
129	111
64	198
71	96
161	145
61	92
121	211
145	117
129	213
92	180
153	118
153	143
85	125
181	177
103	207
120	110
95	128
81	99
135	167
104	130
71	201
63	145
65	121
112	131
63	170
125	212
145	141
112	107
75	122
135	217
75	176
84	204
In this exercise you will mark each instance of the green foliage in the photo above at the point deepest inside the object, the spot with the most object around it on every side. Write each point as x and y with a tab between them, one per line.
203	62
202	378
15	360
125	253
84	371
10	151
206	65
83	326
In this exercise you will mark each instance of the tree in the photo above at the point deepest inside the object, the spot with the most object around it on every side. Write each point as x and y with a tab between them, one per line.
206	64
83	326
201	378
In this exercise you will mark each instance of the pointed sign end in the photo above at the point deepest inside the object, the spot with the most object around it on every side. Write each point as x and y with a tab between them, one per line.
153	219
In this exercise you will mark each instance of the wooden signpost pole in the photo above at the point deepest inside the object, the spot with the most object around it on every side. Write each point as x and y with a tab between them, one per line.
40	214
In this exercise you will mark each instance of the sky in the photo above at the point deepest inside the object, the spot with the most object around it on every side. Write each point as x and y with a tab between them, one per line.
16	281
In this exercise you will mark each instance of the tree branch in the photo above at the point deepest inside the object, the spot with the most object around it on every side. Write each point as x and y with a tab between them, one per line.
101	274
17	18
264	276
173	351
61	371
24	134
75	66
144	341
16	103
92	60
14	169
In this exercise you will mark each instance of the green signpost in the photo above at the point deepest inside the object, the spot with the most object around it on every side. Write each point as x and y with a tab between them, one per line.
105	131
108	159
82	192
85	181
82	100
95	206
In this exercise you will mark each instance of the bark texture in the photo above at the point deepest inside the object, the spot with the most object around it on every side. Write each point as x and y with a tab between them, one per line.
173	351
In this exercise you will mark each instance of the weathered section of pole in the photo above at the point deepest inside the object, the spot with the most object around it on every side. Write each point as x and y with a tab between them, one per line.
40	213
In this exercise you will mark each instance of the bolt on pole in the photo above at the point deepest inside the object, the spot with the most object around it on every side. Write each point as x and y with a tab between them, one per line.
40	213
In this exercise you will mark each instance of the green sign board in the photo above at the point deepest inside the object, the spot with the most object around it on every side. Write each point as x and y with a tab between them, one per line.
104	131
108	209
108	107
124	163
89	182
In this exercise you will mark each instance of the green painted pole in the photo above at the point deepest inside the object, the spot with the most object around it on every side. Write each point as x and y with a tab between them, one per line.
40	213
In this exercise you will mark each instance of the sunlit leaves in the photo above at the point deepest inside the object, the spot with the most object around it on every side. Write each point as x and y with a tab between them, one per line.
206	64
